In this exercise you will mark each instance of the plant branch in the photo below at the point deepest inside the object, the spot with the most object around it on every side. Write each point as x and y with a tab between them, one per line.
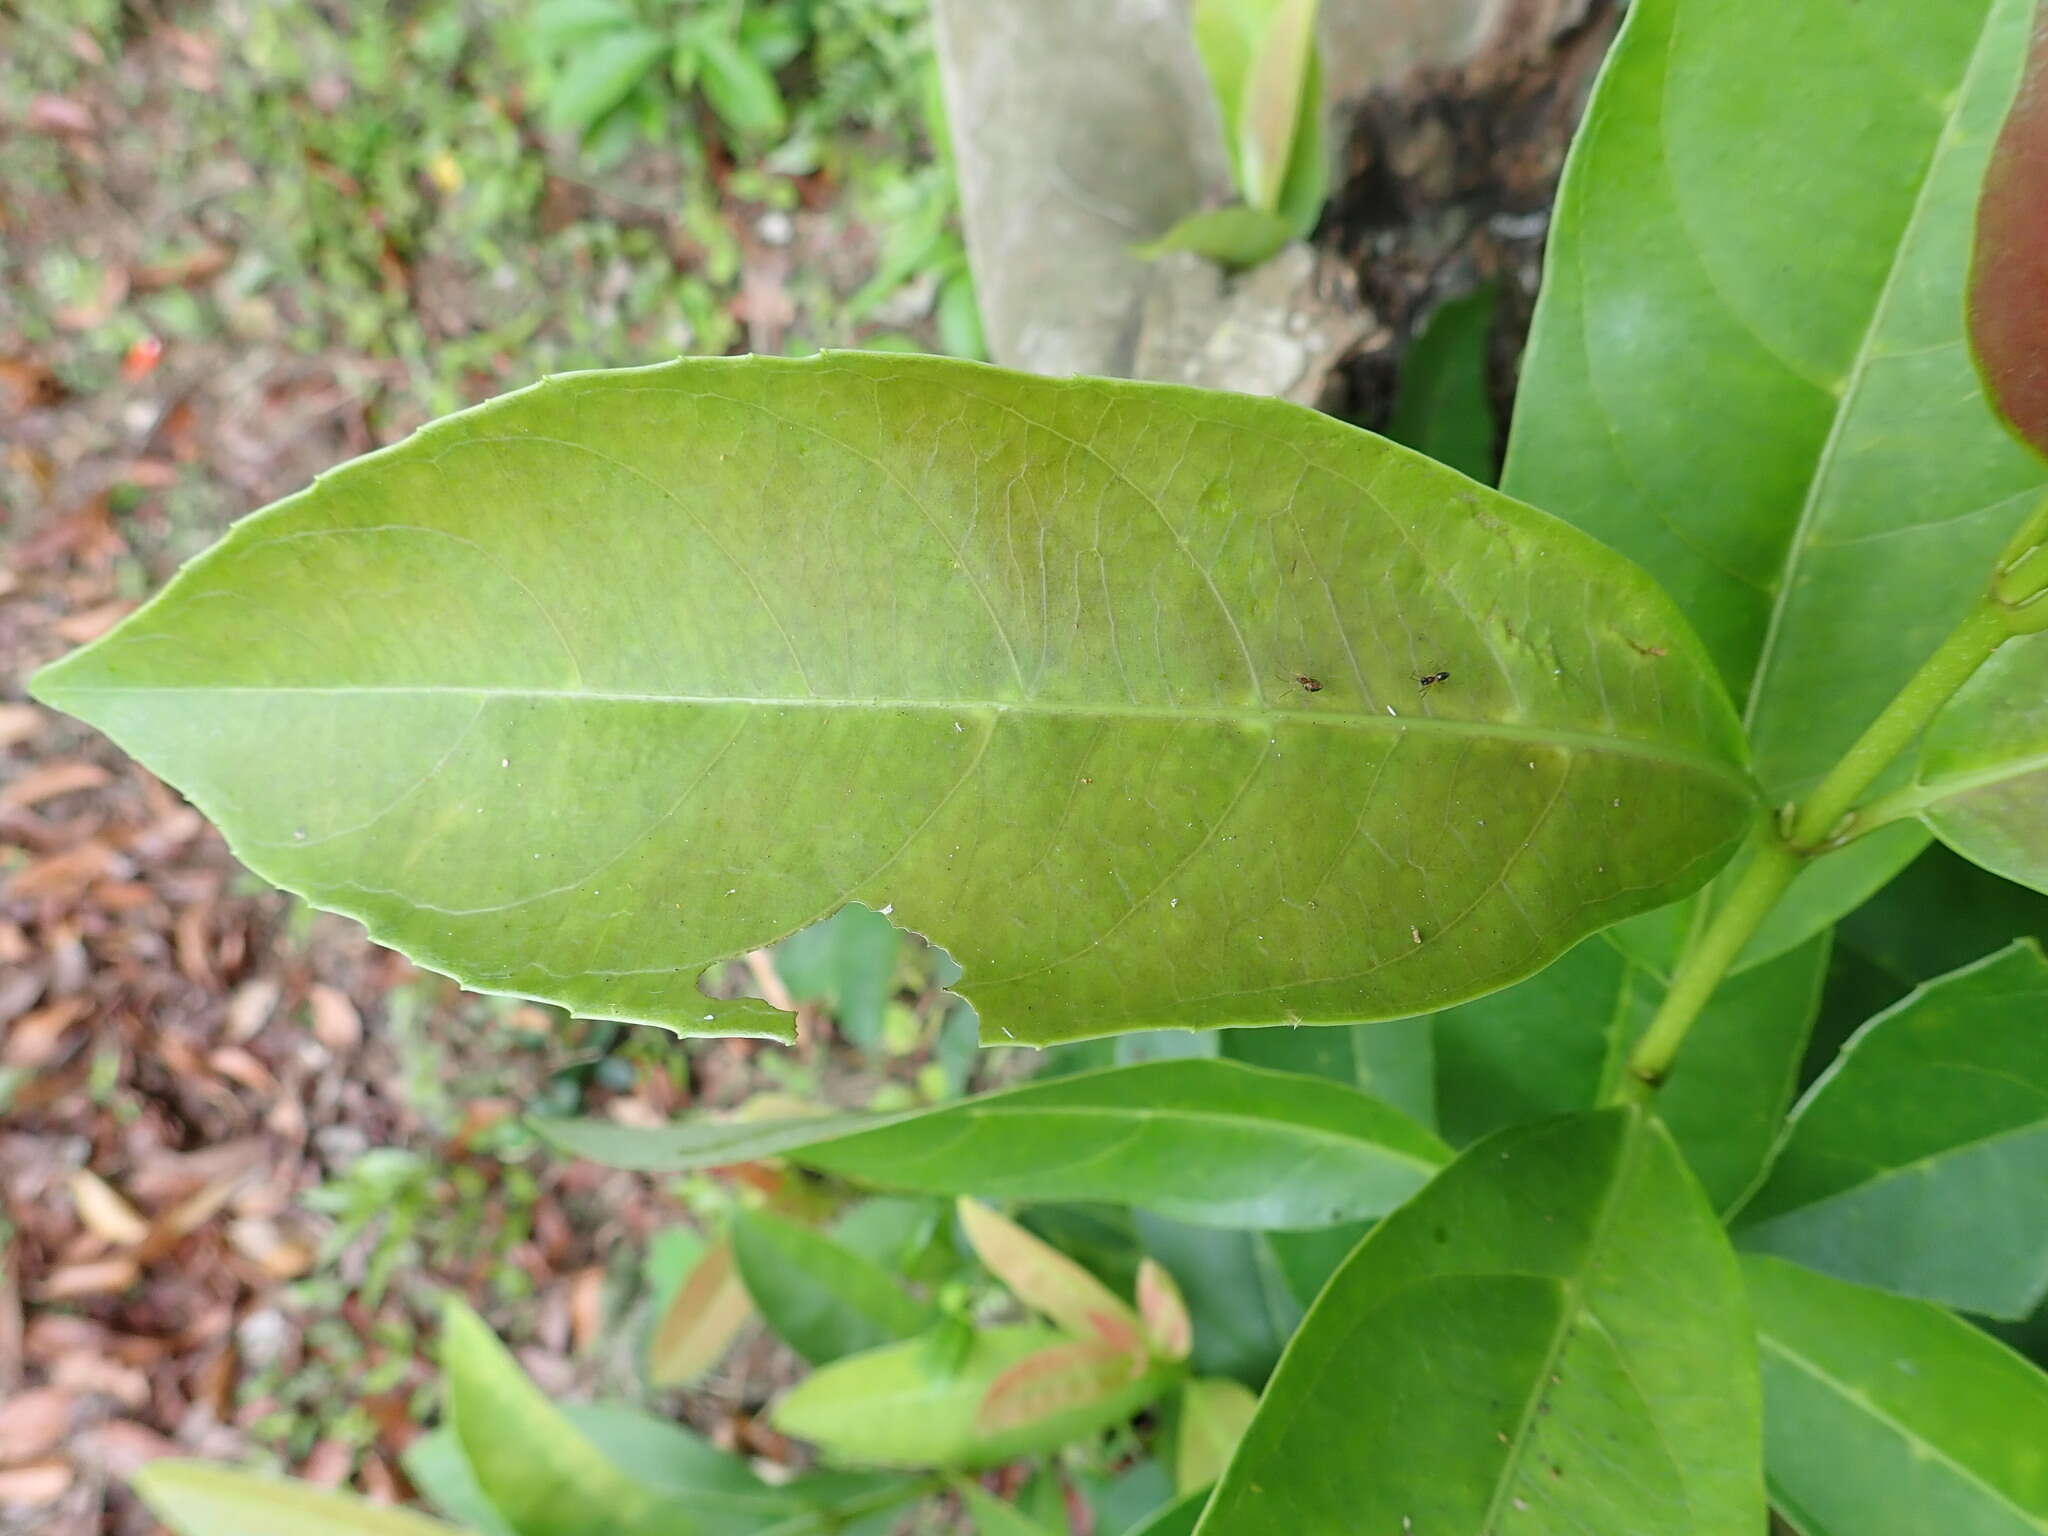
1822	820
1704	966
2017	603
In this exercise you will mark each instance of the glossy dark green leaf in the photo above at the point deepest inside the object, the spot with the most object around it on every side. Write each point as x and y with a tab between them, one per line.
1393	1060
1204	1141
1822	483
1558	1041
1941	913
1014	1392
1889	1417
1176	1519
1919	1162
580	692
1982	780
196	1498
821	1299
1550	1337
2009	264
1444	405
542	1475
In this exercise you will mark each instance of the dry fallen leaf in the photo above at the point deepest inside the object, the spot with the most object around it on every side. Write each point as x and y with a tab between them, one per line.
94	1375
99	1277
34	1038
21	722
240	1066
105	1214
266	1243
65	876
34	1423
59	114
123	1447
706	1315
91	623
39	1482
49	781
586	1308
250	1009
336	1024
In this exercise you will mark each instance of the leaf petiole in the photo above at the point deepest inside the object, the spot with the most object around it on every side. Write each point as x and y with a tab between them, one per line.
1830	816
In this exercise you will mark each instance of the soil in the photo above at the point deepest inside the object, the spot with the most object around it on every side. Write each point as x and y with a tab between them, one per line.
1447	184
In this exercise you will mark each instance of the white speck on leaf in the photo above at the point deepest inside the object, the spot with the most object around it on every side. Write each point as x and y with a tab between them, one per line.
888	907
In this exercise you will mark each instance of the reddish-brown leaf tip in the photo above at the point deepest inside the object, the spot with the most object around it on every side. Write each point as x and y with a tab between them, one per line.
2009	271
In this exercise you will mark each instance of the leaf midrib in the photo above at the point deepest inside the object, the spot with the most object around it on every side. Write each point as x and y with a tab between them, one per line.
1101	1111
1576	1287
1623	746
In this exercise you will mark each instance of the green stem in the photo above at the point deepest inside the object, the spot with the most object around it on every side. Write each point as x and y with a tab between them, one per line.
1704	965
1820	821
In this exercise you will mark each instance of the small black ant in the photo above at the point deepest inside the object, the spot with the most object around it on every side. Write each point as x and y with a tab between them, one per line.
1431	679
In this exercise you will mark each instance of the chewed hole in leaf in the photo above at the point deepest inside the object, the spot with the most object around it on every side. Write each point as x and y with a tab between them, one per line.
885	988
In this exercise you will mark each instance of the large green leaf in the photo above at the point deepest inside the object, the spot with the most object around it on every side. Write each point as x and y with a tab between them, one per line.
1748	368
1919	1162
1202	1141
1889	1417
1558	1042
195	1498
1551	1337
822	1299
1982	782
581	691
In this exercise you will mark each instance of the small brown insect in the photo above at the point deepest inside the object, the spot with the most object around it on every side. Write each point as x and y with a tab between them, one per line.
1309	684
1431	679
